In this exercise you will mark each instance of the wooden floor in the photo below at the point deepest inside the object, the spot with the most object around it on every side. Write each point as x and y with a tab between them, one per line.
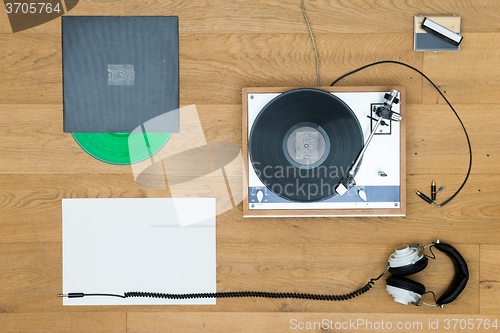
226	45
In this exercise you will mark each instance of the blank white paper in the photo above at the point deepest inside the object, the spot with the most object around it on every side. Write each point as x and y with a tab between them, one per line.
161	245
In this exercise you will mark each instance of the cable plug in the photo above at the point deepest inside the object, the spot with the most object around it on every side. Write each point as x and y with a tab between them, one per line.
72	295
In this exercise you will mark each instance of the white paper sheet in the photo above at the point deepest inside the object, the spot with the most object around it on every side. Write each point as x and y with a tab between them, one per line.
151	245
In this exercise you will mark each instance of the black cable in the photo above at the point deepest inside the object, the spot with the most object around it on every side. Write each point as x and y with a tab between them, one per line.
433	255
345	297
112	295
77	295
455	112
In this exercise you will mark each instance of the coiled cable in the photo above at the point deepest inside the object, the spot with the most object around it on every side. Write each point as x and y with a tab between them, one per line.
260	294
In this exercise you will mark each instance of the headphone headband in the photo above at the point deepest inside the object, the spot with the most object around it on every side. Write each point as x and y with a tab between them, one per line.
461	274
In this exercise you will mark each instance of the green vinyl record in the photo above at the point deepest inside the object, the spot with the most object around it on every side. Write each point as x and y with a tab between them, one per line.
121	148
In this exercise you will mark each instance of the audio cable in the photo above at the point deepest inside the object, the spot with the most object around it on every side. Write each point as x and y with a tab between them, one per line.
432	199
260	294
424	197
312	39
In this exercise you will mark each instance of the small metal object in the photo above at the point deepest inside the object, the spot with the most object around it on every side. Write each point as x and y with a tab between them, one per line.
433	190
434	296
424	197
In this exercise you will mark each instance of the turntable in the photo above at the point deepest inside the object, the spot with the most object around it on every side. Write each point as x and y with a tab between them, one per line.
328	151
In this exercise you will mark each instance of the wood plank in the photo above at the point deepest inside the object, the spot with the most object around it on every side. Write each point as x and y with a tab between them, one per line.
489	282
215	67
43	61
31	278
58	322
337	16
436	142
308	322
31	205
31	68
467	76
84	8
32	139
31	212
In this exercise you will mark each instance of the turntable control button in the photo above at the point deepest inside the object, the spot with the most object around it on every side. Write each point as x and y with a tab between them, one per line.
260	196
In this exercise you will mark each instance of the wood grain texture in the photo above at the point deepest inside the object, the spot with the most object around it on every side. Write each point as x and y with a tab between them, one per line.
31	68
58	322
31	278
467	76
236	61
214	67
226	45
32	141
333	16
31	212
489	279
84	8
31	205
306	322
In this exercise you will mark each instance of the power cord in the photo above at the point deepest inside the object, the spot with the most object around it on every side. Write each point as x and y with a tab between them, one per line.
313	41
449	104
318	297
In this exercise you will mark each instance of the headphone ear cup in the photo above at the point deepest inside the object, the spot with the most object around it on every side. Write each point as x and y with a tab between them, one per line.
405	290
418	266
406	284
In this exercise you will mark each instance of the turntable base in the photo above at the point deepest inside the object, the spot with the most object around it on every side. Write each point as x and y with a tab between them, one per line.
295	150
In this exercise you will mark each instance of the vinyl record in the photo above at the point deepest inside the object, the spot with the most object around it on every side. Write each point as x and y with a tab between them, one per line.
303	142
121	148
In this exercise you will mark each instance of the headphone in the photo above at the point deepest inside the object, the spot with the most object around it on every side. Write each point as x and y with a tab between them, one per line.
410	259
407	260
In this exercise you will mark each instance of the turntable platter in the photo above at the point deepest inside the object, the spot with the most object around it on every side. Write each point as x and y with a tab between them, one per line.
303	142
